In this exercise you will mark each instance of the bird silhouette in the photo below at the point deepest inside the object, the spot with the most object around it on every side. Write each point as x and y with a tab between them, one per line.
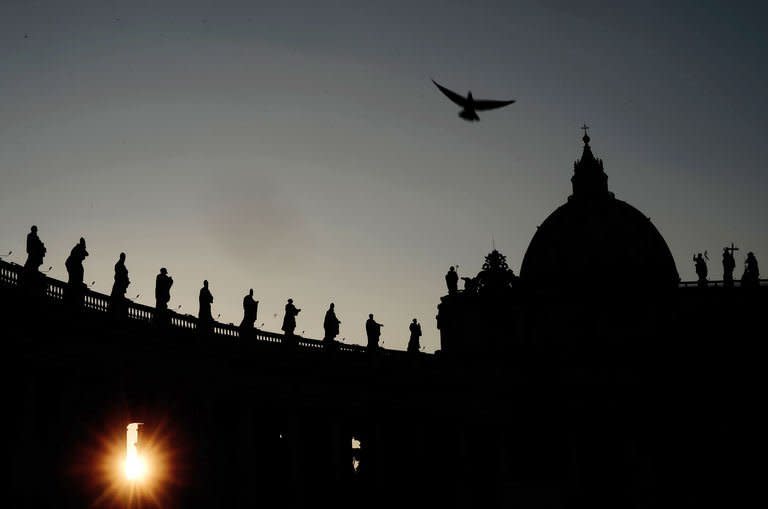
470	106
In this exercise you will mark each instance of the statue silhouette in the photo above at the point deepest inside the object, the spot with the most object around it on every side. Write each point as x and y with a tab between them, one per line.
250	309
31	278
289	320
120	285
452	281
163	283
373	331
204	317
751	276
471	285
729	264
35	251
330	325
413	342
74	264
701	269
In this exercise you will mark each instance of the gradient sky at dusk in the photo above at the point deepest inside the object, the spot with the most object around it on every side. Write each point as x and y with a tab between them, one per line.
301	149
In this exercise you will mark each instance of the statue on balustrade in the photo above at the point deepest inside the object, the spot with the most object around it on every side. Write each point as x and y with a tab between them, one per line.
74	264
250	309
729	264
289	320
452	281
373	331
32	279
120	286
163	284
331	324
701	268
413	342
35	251
470	285
751	276
204	316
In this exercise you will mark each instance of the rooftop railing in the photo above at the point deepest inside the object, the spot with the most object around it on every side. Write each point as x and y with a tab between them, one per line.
10	277
719	284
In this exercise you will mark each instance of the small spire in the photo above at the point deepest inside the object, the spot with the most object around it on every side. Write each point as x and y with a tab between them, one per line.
589	178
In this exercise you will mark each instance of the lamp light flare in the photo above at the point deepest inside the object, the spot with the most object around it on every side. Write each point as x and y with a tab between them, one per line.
135	464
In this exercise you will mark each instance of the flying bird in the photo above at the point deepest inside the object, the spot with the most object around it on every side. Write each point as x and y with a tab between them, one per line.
470	105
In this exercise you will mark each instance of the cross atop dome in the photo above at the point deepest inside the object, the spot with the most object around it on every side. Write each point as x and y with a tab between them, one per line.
586	138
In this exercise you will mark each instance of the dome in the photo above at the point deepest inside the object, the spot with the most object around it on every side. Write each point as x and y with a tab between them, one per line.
595	240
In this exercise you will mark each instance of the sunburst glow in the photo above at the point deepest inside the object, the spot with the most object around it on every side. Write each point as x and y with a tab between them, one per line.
134	468
135	463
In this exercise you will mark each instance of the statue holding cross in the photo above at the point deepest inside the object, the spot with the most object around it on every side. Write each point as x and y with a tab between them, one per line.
729	264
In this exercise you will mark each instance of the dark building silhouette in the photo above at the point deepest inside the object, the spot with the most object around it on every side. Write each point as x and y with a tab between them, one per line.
594	379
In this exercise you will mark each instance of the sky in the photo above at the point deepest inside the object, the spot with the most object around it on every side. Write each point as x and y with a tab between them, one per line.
300	148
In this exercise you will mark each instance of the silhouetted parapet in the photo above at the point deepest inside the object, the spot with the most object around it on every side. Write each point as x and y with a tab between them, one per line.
481	320
33	282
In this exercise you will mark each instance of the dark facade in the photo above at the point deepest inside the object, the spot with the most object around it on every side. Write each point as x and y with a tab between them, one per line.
594	379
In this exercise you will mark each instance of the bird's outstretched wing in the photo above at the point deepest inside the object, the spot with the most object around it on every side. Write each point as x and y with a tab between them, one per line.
450	94
488	104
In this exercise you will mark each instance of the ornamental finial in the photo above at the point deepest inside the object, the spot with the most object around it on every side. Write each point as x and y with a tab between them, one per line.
585	128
